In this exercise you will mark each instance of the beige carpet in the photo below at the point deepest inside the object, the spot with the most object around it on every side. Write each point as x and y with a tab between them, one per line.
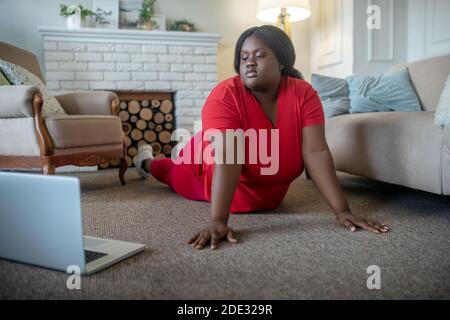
295	252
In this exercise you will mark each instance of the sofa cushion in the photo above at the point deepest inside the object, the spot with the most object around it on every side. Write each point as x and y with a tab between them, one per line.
428	77
83	131
386	92
333	93
20	76
403	148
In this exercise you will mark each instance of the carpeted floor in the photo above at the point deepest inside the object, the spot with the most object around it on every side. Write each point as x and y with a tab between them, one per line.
295	252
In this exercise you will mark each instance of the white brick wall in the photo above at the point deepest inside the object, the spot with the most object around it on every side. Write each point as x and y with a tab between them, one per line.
188	70
71	46
86	75
157	66
158	85
117	57
102	47
171	76
144	58
154	49
60	75
102	66
117	76
171	58
72	66
88	56
144	76
74	85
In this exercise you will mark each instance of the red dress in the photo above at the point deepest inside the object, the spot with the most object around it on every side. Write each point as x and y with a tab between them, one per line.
232	106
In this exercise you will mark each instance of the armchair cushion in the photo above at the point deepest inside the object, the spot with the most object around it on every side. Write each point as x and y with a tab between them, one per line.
83	131
17	101
20	76
87	102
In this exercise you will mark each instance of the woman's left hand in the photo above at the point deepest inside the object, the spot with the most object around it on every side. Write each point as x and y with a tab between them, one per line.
347	219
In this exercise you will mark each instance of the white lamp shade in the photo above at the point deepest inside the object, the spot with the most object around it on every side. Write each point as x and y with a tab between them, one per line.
269	10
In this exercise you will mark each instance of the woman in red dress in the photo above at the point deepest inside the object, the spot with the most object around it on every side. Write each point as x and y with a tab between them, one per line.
270	100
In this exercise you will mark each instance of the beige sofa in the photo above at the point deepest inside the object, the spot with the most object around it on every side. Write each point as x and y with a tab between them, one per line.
404	148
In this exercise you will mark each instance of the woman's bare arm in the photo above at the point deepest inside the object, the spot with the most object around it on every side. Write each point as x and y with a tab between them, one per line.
319	163
224	182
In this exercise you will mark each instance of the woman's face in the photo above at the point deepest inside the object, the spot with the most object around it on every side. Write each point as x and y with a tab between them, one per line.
259	67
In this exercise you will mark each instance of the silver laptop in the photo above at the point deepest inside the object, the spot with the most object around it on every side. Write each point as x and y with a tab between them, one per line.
41	224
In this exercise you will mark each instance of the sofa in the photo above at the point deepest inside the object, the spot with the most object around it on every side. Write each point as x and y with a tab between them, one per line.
402	148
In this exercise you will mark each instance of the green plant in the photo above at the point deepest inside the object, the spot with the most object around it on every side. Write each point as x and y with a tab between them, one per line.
147	9
68	10
183	25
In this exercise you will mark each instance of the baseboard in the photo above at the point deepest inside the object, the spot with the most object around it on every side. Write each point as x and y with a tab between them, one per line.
63	169
73	169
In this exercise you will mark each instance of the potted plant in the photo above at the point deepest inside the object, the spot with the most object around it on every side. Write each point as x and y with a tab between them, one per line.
75	14
145	15
183	25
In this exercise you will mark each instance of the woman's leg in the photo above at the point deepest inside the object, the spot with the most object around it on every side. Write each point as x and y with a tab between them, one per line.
181	177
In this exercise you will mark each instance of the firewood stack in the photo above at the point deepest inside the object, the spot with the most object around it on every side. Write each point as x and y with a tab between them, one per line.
148	117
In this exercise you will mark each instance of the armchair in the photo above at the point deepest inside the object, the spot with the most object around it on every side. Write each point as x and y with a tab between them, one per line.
89	134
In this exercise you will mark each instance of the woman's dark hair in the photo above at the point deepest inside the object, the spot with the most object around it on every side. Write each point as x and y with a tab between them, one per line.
277	40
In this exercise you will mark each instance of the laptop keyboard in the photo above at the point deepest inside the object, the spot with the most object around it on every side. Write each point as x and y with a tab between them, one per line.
90	256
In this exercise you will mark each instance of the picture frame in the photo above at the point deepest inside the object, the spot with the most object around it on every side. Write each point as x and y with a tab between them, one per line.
101	7
129	13
129	16
159	22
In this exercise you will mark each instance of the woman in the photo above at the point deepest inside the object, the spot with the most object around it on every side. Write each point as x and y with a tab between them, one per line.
267	94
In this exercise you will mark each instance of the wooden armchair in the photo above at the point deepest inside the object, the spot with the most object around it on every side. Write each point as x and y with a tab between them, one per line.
89	134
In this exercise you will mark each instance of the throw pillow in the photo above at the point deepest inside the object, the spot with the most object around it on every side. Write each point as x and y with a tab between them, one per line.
334	94
3	80
19	76
442	115
386	92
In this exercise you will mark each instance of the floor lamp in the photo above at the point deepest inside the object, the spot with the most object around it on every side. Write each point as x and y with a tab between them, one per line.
283	12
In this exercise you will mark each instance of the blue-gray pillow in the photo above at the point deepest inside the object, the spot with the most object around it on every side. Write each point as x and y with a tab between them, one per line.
334	94
386	92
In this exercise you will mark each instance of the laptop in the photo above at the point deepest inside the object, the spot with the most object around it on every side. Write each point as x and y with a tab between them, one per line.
41	224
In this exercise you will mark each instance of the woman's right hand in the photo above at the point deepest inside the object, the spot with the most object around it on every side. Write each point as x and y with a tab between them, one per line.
213	233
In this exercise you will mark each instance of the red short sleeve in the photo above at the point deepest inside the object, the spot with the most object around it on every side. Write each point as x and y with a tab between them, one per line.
312	110
220	111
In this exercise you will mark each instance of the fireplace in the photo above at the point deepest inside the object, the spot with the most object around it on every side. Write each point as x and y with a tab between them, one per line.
148	117
181	64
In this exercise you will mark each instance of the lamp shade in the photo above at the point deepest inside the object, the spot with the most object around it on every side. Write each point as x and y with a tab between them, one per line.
269	10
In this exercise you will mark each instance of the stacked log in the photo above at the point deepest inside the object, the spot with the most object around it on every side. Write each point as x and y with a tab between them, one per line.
149	119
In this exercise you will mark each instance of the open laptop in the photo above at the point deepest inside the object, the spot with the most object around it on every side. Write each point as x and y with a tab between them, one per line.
41	224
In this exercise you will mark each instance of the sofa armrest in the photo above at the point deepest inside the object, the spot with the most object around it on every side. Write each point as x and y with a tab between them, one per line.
90	103
17	101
